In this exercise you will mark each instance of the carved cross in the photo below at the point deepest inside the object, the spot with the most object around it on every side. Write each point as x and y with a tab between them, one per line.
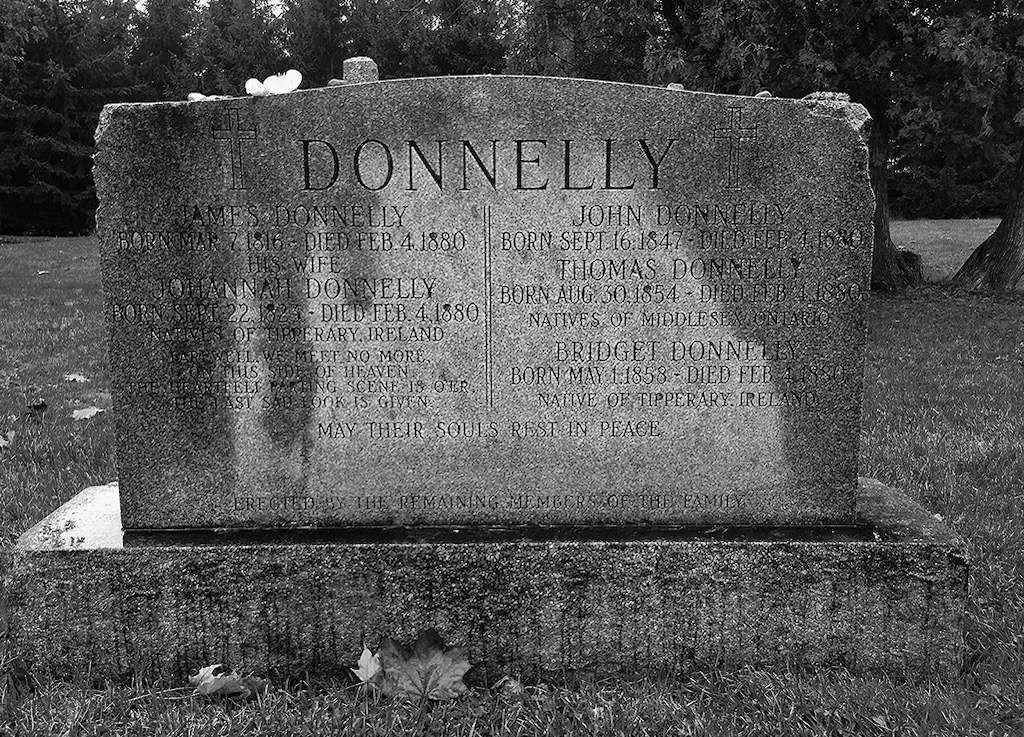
235	134
735	134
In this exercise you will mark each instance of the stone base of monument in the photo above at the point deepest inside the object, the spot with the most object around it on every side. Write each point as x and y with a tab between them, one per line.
887	595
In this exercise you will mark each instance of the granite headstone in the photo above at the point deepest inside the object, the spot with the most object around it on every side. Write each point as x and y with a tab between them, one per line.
485	301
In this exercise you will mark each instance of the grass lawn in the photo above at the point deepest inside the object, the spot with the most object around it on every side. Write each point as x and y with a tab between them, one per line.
942	244
943	419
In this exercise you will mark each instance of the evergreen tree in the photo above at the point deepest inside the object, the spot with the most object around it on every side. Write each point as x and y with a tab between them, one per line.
429	38
101	69
318	38
605	39
99	73
469	37
45	167
65	61
161	49
236	40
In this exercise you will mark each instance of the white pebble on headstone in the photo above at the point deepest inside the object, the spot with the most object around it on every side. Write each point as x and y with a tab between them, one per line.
829	96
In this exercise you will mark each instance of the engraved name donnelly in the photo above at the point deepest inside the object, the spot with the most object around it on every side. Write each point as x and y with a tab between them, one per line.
359	288
517	164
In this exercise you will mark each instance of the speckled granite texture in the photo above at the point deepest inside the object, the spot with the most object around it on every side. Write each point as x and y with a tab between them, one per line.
888	596
485	301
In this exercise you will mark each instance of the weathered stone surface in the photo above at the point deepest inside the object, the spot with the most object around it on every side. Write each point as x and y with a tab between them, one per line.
888	595
489	300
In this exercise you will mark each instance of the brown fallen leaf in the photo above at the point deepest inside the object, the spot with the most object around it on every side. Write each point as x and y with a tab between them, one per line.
6	440
36	408
85	413
218	680
509	686
427	670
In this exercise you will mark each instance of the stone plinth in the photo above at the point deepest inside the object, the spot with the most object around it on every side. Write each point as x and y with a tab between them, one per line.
887	595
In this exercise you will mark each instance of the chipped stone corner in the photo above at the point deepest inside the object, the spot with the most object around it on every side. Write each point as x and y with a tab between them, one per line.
106	117
838	104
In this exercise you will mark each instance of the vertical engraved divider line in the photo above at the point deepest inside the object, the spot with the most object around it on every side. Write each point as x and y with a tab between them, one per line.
488	357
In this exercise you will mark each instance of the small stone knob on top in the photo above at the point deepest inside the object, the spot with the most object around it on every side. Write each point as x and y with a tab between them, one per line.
357	69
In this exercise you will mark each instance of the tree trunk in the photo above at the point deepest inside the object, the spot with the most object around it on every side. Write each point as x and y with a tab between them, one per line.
891	269
998	263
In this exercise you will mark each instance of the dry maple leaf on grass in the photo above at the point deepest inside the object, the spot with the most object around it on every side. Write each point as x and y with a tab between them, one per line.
218	680
427	670
369	672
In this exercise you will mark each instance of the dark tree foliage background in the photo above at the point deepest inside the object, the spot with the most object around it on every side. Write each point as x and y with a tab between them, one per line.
961	110
941	77
59	64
